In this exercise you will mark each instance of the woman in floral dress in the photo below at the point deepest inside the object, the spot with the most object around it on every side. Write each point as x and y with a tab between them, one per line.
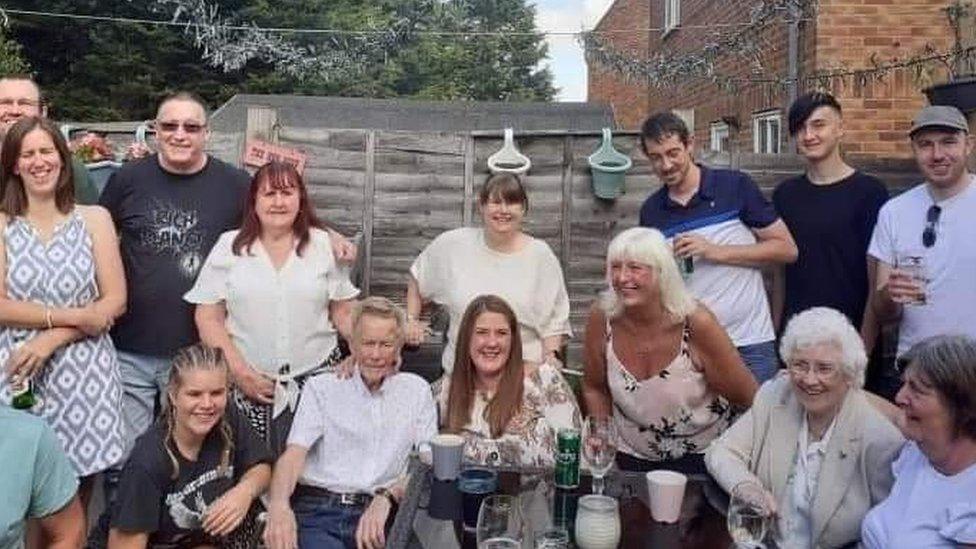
62	287
508	410
658	362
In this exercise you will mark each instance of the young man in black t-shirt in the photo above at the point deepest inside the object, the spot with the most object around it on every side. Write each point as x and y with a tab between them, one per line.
831	211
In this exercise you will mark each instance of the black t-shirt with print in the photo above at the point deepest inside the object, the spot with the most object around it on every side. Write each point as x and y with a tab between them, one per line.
832	226
167	224
171	511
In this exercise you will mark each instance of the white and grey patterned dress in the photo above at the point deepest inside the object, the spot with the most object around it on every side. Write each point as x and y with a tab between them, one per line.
79	387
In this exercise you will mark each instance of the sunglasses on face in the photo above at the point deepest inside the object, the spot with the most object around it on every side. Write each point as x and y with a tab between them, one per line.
931	219
172	127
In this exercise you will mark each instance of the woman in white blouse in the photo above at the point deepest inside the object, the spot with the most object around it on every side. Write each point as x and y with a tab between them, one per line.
507	409
812	438
272	297
498	259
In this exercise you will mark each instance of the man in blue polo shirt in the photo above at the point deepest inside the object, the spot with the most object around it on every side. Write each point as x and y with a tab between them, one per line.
721	221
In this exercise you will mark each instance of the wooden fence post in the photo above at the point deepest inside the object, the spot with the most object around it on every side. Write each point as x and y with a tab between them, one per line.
262	123
369	193
467	215
567	203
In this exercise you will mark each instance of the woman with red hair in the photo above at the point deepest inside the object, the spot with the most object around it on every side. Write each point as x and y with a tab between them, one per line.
273	299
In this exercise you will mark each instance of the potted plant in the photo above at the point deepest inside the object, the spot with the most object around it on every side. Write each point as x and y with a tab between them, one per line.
960	90
98	155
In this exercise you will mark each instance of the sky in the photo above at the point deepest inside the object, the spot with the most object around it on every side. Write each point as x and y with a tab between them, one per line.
565	53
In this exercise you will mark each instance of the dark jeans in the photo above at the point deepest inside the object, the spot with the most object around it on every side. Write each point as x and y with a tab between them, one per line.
325	523
761	359
688	464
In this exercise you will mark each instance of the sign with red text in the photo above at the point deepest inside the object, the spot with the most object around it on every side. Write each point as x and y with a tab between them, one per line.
258	153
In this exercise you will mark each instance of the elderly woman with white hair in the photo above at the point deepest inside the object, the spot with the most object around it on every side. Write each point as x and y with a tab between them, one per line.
813	439
658	361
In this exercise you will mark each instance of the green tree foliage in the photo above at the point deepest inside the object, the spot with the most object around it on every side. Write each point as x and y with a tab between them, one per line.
11	56
113	71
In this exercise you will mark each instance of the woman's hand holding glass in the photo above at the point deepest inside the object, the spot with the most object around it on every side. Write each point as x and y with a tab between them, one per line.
750	515
599	448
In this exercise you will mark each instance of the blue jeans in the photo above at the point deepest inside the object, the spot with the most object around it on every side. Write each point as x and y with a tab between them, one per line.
761	359
324	524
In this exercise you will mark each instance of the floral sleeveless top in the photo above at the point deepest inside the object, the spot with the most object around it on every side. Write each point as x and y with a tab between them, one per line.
668	415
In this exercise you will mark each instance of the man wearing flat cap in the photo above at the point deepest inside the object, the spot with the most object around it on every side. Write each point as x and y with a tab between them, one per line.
925	239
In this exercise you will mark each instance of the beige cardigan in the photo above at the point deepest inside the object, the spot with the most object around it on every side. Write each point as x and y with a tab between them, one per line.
856	471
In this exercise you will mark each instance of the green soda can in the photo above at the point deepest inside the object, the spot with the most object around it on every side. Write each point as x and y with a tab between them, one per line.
567	458
23	395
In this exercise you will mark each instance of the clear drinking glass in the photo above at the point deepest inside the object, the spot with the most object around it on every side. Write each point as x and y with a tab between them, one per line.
555	537
499	523
749	515
913	268
599	448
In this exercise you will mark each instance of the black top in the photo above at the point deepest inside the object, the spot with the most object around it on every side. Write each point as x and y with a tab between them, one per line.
832	226
167	224
171	511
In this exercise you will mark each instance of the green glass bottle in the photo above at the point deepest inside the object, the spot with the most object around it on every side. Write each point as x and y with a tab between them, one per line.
23	395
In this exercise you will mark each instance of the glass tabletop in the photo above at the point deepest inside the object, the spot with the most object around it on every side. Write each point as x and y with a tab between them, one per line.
430	515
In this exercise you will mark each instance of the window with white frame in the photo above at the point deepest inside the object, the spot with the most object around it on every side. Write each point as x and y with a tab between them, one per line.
672	14
719	132
766	131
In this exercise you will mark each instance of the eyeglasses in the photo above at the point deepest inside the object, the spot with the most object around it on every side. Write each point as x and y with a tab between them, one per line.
172	127
931	219
821	370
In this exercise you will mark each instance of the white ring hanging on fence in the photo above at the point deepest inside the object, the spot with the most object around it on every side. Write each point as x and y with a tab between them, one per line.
508	159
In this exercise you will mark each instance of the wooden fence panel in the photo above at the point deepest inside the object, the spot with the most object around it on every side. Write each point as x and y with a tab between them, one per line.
402	189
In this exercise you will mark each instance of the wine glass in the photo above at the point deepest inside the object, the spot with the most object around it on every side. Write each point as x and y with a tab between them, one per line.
499	523
599	448
749	515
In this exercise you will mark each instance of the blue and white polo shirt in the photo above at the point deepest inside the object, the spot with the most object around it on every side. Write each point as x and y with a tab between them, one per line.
727	206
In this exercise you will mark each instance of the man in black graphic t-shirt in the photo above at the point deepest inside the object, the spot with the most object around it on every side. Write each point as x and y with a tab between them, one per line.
169	209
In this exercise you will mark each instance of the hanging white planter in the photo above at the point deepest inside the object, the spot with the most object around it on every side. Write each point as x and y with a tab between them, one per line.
508	159
608	166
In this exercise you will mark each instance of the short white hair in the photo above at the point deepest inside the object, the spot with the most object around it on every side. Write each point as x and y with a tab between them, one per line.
649	247
823	325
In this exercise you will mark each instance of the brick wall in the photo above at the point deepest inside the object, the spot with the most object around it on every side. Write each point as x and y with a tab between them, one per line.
845	34
628	100
878	115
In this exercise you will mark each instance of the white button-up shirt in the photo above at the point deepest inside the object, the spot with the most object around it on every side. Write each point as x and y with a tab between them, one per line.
276	316
359	440
796	524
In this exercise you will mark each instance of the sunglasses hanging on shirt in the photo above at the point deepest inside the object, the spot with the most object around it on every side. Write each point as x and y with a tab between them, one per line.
931	219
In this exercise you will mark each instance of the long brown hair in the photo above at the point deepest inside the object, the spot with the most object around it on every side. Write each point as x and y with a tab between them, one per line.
14	201
276	175
508	397
193	358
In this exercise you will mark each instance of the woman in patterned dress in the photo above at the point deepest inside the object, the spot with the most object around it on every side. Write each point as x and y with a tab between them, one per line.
62	287
508	410
658	361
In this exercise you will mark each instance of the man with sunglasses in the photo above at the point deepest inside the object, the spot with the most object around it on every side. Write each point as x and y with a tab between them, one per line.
20	97
925	239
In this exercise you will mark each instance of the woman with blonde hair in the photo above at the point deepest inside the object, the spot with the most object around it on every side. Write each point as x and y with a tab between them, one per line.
657	361
506	408
193	478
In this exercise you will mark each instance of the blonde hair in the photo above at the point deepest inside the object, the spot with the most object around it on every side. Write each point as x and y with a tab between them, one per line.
197	357
379	307
649	247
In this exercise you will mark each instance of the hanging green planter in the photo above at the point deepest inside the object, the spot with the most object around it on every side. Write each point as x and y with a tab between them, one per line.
608	166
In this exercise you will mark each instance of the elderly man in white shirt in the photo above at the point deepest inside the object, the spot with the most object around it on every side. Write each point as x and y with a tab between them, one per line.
341	493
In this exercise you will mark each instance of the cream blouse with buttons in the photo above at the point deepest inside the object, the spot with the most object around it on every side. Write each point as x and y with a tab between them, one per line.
276	317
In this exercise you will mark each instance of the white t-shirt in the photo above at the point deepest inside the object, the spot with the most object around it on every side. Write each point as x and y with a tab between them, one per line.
358	441
924	509
458	266
950	264
276	317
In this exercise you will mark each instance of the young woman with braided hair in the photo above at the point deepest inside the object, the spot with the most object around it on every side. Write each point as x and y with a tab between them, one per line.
193	478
